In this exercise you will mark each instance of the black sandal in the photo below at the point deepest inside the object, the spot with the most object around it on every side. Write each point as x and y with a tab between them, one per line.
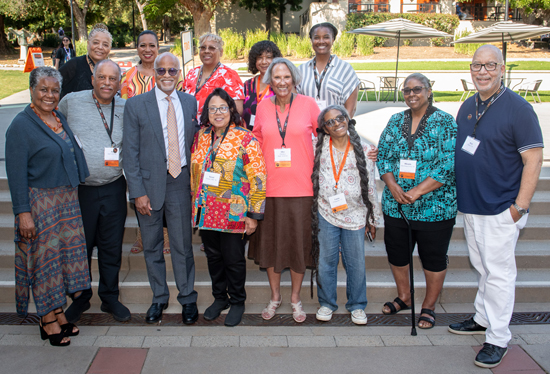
55	339
392	308
67	328
427	319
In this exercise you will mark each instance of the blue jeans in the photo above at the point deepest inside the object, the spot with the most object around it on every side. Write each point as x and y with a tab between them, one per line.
351	243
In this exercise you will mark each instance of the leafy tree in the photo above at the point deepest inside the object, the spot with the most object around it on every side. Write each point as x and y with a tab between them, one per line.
202	11
271	7
80	9
536	12
141	5
14	9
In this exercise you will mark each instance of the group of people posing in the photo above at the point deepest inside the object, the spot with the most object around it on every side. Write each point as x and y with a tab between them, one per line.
275	162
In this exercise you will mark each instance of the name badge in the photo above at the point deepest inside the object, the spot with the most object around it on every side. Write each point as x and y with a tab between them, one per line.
211	179
78	141
111	156
322	104
252	120
470	145
282	157
338	203
407	169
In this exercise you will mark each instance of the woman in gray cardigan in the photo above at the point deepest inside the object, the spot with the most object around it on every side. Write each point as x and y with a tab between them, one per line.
45	165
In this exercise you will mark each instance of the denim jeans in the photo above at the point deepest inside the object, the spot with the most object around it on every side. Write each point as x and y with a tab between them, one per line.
332	241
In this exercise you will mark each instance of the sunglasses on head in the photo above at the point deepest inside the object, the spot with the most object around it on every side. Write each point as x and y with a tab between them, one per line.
172	72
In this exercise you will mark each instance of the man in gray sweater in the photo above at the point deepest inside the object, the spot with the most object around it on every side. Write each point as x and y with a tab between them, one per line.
96	119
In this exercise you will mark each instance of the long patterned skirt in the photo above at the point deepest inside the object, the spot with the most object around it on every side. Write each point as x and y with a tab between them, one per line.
55	263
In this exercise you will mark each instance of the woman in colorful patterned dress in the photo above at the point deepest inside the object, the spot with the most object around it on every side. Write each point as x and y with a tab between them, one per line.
345	209
255	90
140	79
228	180
202	80
416	161
45	165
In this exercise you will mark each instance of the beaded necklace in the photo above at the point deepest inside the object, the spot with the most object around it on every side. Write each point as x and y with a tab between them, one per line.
58	121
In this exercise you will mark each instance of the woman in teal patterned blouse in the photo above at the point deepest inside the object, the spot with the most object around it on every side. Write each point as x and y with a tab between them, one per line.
416	161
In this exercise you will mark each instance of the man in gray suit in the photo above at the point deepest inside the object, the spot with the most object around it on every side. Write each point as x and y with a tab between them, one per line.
159	127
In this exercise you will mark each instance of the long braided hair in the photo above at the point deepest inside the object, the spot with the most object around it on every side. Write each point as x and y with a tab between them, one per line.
355	141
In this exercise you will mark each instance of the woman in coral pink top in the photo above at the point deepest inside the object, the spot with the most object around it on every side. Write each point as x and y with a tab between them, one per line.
284	127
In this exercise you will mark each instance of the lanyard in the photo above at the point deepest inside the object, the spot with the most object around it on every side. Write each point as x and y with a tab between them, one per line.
318	81
282	131
197	87
337	175
493	99
90	61
261	95
109	130
214	153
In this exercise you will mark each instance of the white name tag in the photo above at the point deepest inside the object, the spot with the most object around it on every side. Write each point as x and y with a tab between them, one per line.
322	104
338	202
78	141
252	120
211	179
470	145
111	156
282	157
407	169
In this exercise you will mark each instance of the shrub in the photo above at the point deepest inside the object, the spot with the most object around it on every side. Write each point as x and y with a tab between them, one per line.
49	40
407	42
299	47
292	40
233	43
467	48
176	49
81	47
280	39
365	44
251	38
345	45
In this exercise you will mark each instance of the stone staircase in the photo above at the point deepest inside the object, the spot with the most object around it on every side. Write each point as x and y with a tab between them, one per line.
533	261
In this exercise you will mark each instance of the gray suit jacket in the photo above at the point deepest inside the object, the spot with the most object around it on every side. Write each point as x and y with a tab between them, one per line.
145	159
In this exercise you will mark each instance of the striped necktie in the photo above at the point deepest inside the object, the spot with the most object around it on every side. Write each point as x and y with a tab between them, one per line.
174	159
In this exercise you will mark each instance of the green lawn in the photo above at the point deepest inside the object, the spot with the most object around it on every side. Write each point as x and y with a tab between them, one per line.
446	65
441	96
12	81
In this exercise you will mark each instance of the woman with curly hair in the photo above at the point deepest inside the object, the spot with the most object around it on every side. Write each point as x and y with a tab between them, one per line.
255	90
345	209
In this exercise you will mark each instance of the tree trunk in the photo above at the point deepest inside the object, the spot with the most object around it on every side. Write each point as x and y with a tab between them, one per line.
141	14
201	16
281	12
5	47
166	25
536	17
268	21
80	18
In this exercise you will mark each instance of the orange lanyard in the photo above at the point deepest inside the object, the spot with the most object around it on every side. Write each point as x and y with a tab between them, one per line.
260	96
337	176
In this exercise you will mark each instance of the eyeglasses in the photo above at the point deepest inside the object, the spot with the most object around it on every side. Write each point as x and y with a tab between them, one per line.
209	48
222	109
416	90
172	71
334	121
490	66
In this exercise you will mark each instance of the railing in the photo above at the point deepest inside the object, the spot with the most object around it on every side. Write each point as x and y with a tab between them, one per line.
368	8
477	12
421	8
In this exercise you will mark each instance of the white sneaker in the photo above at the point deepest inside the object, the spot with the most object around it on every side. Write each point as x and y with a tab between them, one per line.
358	317
324	314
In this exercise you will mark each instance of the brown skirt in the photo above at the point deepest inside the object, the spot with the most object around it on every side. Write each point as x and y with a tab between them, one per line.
283	239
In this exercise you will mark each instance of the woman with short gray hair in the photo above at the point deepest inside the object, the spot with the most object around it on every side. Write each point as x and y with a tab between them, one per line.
45	165
284	126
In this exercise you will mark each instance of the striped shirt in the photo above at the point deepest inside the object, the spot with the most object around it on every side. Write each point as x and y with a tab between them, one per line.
339	83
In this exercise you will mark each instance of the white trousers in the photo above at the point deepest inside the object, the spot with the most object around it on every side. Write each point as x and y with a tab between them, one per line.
491	243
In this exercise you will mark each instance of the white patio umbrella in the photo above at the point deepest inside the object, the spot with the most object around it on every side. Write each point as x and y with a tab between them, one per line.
400	28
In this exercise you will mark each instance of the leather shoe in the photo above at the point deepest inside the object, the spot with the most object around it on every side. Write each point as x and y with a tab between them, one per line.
490	355
117	310
214	310
79	305
189	313
235	315
468	327
154	313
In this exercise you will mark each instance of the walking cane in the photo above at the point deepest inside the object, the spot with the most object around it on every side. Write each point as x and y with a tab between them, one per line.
411	272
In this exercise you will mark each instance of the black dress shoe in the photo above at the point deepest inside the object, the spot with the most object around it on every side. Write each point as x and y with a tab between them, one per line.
117	310
214	310
154	314
468	327
490	355
235	315
79	305
190	313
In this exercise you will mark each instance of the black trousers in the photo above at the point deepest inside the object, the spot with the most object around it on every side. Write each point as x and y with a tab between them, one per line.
226	264
104	215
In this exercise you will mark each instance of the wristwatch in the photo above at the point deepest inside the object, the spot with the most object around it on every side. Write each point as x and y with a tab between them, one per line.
520	210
